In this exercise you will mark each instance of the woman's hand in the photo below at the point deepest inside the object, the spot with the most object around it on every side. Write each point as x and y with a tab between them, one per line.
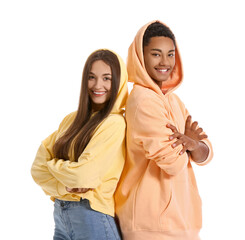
190	139
77	190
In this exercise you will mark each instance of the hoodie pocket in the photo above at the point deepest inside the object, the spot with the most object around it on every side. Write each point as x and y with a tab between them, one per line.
184	209
150	196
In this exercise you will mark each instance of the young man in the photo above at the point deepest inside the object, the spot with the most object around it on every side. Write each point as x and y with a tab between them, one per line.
157	197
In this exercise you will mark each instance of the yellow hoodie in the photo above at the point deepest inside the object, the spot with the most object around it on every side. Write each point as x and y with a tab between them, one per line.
157	198
98	167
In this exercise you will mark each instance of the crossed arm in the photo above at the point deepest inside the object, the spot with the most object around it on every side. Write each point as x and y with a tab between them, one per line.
191	140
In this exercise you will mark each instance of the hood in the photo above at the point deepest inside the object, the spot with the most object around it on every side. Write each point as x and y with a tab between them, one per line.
123	88
136	66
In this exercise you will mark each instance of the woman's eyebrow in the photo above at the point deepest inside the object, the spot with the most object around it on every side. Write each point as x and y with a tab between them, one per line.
105	74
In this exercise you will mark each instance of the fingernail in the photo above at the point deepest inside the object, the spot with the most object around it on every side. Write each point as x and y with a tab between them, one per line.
174	145
170	137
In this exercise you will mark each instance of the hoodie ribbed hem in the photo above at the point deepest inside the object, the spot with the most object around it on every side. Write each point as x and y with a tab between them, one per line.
152	235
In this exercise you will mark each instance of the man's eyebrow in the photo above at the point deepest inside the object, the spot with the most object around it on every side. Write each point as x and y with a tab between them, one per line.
159	50
156	49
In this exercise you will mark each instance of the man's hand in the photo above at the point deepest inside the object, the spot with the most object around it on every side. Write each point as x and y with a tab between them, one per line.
192	131
190	139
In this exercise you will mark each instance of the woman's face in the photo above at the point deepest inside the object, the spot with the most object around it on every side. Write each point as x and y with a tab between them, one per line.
99	84
159	58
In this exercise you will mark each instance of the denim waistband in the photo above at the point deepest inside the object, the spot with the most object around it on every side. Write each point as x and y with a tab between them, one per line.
66	204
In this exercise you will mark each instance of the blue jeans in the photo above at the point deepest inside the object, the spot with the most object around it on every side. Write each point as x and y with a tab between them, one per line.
77	221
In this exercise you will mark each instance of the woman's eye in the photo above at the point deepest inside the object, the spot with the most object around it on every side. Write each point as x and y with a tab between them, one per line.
91	77
155	54
107	78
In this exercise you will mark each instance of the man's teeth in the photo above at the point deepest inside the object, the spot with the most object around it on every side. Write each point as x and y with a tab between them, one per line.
162	70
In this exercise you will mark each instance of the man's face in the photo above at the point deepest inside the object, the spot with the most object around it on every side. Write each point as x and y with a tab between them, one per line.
159	57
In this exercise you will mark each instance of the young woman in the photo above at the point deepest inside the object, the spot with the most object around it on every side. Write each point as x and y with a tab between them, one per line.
157	196
80	164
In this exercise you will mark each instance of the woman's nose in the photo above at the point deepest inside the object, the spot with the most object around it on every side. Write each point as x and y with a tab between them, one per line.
97	84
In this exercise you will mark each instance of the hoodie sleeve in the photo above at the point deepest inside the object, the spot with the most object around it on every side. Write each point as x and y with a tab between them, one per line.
151	132
40	173
98	157
39	170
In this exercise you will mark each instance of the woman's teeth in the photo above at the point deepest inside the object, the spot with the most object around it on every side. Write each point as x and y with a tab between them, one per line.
98	93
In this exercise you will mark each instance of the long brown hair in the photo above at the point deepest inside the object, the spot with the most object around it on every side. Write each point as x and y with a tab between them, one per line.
83	126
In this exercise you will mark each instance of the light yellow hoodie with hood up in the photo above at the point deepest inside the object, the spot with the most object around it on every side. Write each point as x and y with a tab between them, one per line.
157	197
99	166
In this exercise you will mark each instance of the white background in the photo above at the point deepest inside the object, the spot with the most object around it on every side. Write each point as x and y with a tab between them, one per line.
43	46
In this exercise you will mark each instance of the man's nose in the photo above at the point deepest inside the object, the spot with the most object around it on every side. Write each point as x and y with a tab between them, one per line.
163	61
